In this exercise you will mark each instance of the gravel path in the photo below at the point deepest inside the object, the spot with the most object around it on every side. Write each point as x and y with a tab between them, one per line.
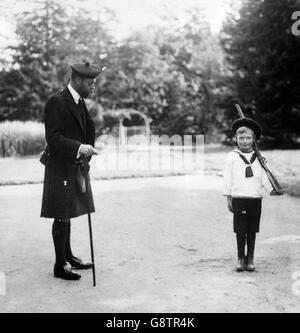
161	244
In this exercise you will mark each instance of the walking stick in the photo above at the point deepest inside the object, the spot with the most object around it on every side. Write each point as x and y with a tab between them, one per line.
85	163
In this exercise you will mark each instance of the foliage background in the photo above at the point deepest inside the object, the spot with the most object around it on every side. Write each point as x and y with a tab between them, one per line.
181	75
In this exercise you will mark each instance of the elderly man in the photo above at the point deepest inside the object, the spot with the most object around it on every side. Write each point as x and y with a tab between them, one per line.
70	136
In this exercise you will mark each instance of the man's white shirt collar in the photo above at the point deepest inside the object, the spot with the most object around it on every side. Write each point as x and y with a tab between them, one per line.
74	93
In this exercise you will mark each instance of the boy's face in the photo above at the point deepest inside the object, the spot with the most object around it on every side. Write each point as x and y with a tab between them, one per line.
245	139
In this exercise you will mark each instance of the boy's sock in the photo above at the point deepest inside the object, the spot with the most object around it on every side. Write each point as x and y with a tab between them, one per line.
241	240
59	234
251	244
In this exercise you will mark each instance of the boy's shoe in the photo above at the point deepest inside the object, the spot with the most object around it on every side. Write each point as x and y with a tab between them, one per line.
65	272
250	264
240	267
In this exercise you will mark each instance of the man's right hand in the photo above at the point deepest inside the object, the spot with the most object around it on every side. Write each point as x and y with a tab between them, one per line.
87	151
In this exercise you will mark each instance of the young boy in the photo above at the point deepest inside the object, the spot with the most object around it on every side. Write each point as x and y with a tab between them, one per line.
243	183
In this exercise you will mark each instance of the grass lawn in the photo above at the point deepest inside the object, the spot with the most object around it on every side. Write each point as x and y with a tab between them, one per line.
285	163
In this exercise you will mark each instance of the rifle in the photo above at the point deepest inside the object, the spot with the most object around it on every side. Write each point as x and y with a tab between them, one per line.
277	188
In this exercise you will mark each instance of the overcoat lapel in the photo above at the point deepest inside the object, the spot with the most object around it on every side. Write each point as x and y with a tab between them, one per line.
73	107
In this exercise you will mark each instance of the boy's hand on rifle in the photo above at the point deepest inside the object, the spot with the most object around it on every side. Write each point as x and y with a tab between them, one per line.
264	159
229	204
274	192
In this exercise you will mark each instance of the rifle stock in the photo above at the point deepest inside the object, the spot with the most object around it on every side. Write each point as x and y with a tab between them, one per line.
239	110
276	186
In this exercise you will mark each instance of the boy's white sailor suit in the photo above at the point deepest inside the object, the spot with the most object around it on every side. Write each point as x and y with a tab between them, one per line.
246	192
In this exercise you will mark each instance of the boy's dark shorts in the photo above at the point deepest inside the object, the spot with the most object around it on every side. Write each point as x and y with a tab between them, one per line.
246	214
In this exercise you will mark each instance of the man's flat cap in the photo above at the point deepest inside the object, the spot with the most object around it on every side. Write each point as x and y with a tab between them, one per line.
247	122
86	69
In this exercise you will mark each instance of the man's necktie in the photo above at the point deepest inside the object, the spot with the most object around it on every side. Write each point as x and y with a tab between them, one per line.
81	107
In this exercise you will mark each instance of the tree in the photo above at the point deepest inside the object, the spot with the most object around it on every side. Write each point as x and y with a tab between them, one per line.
195	53
37	61
49	40
170	73
263	55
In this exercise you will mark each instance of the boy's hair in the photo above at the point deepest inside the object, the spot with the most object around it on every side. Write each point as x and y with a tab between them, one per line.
244	129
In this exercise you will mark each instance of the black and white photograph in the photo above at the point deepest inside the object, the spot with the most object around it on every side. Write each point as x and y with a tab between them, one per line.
150	158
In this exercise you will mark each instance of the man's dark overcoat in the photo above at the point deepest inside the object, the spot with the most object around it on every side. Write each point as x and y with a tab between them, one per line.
66	130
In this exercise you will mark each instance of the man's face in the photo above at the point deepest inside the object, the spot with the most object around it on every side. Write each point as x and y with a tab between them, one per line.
87	86
245	140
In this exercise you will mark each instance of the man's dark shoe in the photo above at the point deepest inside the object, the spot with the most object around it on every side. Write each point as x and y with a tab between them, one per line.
78	263
65	272
250	264
240	267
